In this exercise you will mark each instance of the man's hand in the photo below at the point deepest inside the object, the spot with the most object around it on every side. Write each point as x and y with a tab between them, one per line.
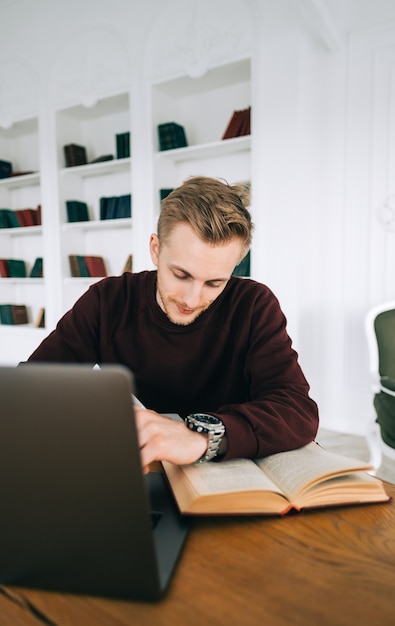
163	439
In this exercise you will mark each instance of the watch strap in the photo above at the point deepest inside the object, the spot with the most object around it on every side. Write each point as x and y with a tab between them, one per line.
215	433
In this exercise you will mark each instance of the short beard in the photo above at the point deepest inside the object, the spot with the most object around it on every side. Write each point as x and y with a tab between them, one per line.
164	309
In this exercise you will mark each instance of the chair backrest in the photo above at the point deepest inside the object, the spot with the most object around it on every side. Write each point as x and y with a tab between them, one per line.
380	333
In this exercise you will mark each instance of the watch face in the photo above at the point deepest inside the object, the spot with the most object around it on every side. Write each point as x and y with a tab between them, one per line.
206	419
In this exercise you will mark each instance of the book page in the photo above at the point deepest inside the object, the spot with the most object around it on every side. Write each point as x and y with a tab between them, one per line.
228	477
295	470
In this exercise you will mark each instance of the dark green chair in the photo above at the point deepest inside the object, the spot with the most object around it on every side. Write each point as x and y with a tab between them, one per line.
380	332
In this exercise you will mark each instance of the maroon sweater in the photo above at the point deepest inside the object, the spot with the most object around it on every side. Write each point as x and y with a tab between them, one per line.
235	361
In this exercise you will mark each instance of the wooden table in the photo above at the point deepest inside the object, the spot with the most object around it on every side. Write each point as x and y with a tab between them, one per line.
331	567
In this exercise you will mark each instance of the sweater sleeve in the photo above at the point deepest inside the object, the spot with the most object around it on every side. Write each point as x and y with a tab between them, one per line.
279	413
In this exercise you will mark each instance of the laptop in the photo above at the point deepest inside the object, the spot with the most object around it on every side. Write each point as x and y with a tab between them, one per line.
77	513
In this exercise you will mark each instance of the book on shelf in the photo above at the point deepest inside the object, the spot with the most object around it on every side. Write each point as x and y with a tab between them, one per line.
77	211
171	135
10	218
5	169
4	273
103	158
40	319
12	314
128	267
22	173
123	145
96	266
244	267
78	266
87	266
163	193
239	124
13	268
115	207
74	155
26	217
307	478
37	268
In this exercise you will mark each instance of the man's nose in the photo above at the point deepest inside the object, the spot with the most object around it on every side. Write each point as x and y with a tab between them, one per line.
192	295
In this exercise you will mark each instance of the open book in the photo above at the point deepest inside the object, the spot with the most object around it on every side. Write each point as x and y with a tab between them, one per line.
309	477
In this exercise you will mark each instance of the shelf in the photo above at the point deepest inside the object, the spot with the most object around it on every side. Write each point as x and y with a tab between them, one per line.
22	231
75	280
24	180
97	169
23	328
206	150
124	222
8	280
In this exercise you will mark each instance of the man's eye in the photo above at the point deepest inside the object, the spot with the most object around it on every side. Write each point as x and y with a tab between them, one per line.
215	285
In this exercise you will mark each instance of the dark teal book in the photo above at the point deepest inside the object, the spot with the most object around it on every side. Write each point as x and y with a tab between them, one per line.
77	211
6	314
8	219
123	206
244	267
123	145
171	135
17	268
4	222
163	193
110	208
5	169
37	269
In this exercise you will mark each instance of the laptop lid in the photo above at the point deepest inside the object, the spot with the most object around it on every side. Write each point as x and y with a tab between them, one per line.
75	505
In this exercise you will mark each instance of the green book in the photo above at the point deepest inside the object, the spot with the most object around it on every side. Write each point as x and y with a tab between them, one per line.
17	268
37	269
77	211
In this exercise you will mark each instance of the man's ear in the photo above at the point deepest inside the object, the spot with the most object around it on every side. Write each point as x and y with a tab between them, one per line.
154	249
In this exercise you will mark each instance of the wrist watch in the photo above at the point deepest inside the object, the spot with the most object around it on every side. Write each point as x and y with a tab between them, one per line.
210	425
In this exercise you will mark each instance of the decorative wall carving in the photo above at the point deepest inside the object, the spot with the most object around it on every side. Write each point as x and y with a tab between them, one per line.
90	66
189	38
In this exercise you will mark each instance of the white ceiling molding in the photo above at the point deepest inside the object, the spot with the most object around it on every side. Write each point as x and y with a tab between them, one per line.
323	23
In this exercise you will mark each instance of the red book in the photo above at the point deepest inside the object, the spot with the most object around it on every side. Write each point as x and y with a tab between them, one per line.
26	217
4	273
234	125
246	125
96	266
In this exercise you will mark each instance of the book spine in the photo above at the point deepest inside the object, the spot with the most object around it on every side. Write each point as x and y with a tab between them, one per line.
17	268
123	145
171	135
11	314
74	266
77	211
19	314
6	314
96	266
4	272
37	269
74	155
5	169
123	206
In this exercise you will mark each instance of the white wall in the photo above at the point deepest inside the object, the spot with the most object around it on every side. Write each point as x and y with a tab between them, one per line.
323	146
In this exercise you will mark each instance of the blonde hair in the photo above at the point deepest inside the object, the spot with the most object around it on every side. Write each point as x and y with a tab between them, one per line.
216	211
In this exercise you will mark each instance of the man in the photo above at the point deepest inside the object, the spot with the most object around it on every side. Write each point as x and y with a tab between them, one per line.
200	342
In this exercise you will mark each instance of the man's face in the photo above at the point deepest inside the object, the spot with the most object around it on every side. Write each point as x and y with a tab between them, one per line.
191	273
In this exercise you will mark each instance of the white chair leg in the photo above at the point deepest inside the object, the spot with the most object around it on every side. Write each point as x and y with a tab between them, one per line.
373	438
